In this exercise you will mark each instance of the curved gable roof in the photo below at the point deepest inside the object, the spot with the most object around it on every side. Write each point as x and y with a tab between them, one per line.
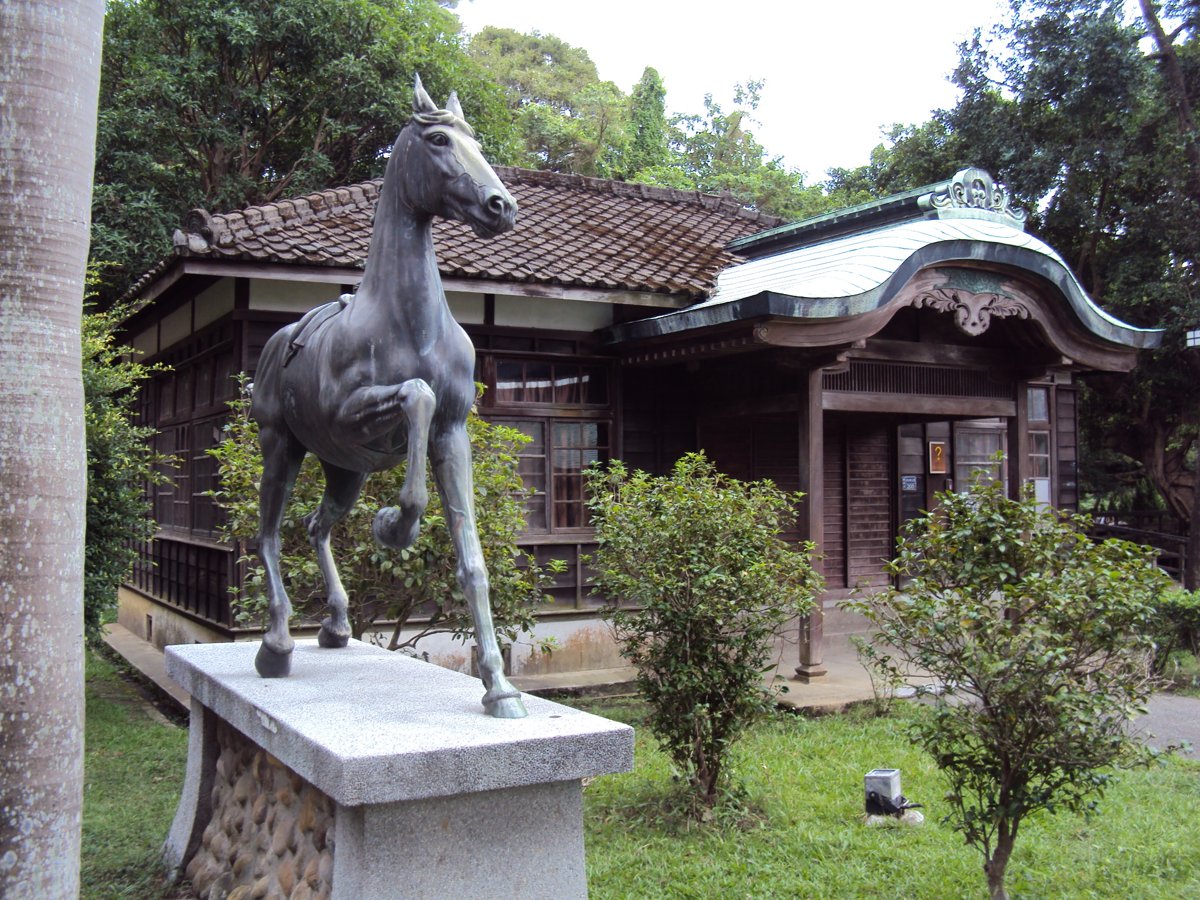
857	261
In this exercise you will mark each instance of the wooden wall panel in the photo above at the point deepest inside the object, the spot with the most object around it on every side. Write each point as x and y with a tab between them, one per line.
729	444
869	503
776	451
833	567
657	420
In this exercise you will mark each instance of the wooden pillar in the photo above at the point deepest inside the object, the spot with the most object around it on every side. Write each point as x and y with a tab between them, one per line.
812	513
1018	444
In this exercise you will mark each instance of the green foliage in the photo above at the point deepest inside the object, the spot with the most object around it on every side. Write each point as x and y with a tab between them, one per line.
568	120
1178	626
120	465
912	156
717	153
647	124
1069	105
705	583
534	68
224	103
1042	640
415	586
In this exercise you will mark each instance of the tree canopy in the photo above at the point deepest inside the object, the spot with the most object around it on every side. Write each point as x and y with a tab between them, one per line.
1083	110
1081	107
1077	117
226	103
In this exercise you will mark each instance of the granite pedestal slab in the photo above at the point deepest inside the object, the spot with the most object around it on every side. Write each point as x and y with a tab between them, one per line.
430	796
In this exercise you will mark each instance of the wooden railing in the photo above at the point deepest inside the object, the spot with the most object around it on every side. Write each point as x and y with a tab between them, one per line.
1171	546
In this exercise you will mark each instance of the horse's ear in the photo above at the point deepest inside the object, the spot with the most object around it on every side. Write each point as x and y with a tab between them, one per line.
421	100
452	105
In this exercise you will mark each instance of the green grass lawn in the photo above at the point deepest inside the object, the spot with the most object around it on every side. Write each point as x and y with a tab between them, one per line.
133	771
806	778
800	833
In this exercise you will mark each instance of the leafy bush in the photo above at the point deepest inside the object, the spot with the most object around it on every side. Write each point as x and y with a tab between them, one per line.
1178	626
708	583
120	464
416	583
1042	640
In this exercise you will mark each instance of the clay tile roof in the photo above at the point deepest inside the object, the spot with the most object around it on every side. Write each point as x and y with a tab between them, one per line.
571	231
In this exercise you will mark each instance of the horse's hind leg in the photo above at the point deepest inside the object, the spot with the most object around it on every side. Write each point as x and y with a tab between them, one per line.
342	488
282	455
397	527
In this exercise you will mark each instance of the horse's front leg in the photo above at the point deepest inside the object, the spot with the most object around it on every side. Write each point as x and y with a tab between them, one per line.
282	456
452	470
373	412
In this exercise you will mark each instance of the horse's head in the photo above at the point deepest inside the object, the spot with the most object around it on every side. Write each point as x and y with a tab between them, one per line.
442	171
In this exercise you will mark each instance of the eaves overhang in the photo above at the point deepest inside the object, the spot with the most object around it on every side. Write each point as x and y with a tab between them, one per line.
742	295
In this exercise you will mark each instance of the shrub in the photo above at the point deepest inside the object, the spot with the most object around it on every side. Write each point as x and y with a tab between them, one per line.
1042	640
706	584
1178	626
120	464
406	585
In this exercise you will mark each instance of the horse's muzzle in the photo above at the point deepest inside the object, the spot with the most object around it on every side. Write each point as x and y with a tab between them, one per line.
499	214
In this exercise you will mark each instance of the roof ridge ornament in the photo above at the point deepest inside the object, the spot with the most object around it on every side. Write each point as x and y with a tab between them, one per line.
970	193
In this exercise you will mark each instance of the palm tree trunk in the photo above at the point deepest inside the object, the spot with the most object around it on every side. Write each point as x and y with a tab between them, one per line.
49	79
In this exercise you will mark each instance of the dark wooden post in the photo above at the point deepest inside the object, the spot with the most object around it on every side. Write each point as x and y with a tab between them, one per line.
1191	550
1018	444
812	474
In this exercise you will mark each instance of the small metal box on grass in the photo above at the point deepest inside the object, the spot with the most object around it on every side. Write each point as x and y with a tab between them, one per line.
883	796
883	793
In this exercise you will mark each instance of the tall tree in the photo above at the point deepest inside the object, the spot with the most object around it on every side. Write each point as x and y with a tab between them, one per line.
647	123
568	119
49	78
534	68
1065	105
1180	93
714	151
911	156
224	103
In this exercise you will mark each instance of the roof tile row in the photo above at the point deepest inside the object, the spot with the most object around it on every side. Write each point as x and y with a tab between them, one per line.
571	230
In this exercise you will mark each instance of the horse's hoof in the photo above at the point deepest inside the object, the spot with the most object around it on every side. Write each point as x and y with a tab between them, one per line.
392	528
509	706
327	637
271	664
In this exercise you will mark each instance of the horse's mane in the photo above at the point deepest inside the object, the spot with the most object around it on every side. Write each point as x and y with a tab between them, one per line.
443	117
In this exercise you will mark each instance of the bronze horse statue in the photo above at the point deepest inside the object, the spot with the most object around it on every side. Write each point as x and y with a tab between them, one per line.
387	376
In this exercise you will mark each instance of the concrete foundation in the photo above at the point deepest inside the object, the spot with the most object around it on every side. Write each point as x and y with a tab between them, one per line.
430	795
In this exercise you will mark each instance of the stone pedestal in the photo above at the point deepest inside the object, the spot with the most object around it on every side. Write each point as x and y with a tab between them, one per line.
367	774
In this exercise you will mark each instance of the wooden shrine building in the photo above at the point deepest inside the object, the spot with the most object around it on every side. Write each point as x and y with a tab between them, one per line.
869	358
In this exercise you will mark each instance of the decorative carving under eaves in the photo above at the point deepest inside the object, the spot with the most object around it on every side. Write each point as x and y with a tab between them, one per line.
974	188
972	312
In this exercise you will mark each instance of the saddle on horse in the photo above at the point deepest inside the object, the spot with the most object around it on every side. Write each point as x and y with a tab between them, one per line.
312	322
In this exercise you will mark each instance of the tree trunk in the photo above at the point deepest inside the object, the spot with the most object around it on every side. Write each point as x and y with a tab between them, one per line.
996	866
1177	92
49	79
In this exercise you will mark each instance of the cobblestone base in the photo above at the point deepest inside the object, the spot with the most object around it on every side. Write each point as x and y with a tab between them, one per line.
271	832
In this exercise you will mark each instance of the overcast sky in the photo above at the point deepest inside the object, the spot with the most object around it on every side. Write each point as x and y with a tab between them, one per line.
836	73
